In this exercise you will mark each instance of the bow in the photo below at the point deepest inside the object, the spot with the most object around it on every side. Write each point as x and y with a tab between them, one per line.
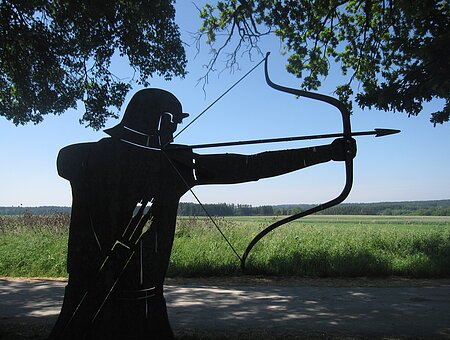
347	135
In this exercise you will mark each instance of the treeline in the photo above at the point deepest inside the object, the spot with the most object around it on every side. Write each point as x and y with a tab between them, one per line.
412	208
416	208
224	209
45	210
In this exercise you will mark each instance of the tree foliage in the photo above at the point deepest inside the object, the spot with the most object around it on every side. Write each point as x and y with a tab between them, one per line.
394	49
55	53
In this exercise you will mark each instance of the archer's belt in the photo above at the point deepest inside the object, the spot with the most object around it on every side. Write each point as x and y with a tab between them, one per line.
138	294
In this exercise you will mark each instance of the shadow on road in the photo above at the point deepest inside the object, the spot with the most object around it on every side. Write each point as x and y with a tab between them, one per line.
257	311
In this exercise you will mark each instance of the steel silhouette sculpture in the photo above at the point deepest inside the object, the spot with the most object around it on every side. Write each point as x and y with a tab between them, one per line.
126	189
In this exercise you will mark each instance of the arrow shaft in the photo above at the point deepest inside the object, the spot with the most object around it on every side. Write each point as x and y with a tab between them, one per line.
278	140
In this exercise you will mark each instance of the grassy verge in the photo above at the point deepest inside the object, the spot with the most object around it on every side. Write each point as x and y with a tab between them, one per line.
319	246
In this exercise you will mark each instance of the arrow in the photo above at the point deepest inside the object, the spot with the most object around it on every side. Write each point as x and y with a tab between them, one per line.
376	132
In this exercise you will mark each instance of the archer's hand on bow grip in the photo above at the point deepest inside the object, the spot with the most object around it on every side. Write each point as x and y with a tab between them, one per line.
342	147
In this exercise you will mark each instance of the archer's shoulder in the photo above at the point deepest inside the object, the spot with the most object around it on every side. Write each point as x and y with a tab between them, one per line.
179	152
178	149
72	158
82	149
74	151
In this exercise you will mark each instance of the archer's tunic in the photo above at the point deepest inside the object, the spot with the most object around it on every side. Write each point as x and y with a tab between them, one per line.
108	179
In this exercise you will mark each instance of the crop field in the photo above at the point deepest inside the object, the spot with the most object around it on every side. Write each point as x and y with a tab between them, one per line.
317	246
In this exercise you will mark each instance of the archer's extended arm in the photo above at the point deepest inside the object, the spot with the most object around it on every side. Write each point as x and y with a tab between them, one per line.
236	168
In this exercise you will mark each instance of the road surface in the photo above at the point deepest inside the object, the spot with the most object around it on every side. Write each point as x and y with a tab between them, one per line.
363	308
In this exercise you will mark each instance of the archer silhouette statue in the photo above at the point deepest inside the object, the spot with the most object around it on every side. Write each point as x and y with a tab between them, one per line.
126	189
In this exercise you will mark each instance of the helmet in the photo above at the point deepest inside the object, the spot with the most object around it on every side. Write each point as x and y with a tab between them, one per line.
141	123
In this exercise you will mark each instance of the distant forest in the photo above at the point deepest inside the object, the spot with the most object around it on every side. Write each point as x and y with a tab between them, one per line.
413	208
418	208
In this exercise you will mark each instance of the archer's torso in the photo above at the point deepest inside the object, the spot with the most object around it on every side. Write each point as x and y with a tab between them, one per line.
109	178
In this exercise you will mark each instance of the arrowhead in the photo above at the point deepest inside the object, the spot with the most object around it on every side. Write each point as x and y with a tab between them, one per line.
385	132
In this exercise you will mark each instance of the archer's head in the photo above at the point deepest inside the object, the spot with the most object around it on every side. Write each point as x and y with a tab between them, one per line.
150	119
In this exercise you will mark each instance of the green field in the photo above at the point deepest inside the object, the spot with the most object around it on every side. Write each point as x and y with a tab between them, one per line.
317	246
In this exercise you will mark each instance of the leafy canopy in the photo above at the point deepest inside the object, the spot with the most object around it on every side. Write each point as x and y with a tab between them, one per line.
396	50
55	53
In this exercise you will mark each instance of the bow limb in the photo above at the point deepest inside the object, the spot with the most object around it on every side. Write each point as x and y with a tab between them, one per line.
347	135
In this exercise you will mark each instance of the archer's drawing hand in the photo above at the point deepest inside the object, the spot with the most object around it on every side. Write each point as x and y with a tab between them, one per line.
341	147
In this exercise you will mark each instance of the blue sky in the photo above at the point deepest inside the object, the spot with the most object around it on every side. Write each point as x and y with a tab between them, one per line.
408	166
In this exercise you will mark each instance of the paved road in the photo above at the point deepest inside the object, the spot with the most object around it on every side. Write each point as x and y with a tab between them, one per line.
368	309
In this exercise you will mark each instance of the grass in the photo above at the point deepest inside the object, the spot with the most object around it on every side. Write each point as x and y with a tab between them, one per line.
33	246
318	246
321	246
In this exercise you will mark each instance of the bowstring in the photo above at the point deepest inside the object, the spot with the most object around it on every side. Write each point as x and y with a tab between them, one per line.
202	206
219	98
181	176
